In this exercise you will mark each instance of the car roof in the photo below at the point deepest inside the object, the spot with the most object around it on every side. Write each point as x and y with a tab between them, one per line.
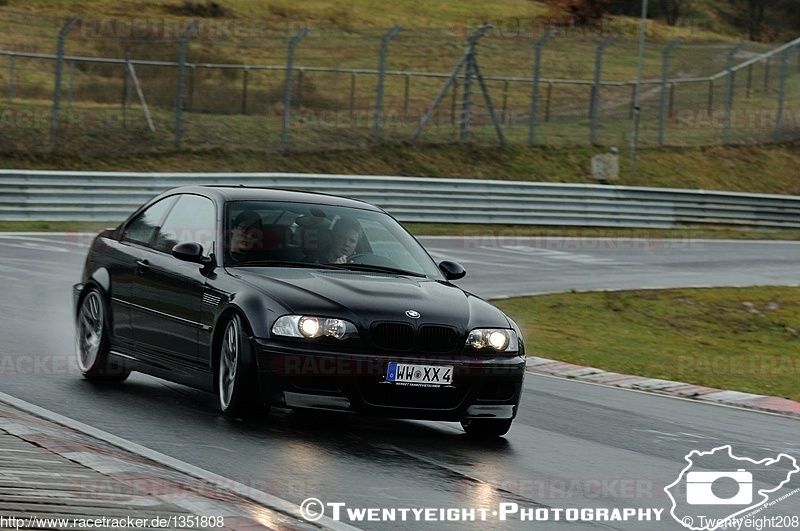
252	193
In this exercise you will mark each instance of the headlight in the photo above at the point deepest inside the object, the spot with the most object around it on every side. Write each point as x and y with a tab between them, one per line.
310	327
498	339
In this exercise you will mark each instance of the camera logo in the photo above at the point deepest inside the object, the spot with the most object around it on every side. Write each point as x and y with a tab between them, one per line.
699	488
719	490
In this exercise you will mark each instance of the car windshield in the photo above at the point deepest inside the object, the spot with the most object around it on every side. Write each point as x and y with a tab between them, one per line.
270	233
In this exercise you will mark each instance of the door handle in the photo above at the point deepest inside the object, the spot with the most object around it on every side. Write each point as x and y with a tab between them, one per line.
142	266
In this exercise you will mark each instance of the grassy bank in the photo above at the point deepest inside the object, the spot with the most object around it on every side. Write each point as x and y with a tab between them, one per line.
741	339
757	169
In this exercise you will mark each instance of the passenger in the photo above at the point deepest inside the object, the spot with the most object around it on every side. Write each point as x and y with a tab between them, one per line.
246	234
345	236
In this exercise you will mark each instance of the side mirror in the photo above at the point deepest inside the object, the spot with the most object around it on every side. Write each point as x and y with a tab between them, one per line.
452	270
190	252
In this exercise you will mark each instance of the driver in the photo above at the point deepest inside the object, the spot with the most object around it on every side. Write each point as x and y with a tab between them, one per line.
246	234
345	236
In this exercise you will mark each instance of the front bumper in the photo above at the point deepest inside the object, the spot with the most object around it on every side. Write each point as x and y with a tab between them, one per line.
482	387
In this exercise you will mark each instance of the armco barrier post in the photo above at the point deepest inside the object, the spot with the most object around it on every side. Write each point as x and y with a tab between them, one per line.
62	35
594	111
287	91
729	92
662	118
376	132
537	67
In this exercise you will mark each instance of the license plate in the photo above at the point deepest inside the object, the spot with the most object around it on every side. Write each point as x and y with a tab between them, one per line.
419	374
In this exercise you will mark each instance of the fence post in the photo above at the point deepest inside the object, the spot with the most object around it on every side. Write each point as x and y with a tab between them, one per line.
598	66
749	80
766	73
287	91
466	102
376	132
11	78
637	89
537	66
664	74
468	57
782	91
729	91
62	35
181	81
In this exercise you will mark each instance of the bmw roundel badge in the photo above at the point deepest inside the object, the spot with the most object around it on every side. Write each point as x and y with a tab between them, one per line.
414	314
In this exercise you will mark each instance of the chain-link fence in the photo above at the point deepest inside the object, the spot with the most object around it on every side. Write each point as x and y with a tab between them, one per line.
91	86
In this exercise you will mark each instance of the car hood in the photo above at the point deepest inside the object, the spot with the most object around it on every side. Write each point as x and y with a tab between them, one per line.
365	297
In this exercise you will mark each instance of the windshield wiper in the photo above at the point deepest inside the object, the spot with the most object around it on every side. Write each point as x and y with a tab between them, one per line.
286	263
380	269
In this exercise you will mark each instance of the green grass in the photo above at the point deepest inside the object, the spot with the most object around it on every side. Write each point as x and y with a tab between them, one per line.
744	339
755	169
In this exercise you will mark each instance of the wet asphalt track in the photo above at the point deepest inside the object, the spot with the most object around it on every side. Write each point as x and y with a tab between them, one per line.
572	445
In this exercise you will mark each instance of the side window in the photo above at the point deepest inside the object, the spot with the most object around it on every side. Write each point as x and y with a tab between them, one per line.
142	228
191	220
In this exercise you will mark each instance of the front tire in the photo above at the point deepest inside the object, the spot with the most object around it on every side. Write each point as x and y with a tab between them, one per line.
486	428
237	385
92	341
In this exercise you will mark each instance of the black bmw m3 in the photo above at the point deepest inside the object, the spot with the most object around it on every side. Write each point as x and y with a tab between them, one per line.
294	299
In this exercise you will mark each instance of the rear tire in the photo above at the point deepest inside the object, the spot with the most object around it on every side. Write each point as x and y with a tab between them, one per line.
237	384
486	428
92	341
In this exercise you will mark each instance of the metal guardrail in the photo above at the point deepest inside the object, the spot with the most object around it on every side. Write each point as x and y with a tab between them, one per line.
111	196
